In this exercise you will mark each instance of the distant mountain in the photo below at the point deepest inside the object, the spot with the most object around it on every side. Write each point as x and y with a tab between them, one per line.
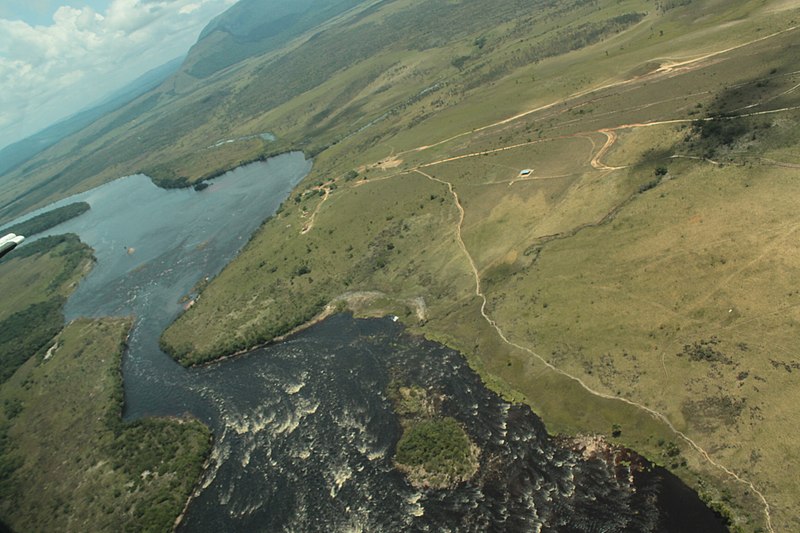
366	60
254	27
15	154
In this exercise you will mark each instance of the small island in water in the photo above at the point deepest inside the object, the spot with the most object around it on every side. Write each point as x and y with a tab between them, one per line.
434	450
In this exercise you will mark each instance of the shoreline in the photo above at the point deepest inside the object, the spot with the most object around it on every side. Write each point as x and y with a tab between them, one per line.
355	302
198	486
625	462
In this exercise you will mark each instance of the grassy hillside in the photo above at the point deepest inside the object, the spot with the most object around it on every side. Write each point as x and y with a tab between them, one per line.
254	27
638	282
35	281
70	464
374	70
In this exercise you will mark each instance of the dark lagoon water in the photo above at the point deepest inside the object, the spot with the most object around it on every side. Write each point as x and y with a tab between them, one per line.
304	431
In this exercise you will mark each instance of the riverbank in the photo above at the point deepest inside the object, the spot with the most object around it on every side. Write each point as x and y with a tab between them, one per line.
308	408
362	304
515	280
76	462
132	458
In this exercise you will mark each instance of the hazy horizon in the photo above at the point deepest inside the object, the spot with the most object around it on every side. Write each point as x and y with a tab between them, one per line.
57	60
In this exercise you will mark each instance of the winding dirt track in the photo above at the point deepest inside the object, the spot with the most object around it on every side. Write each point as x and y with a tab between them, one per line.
668	68
596	163
611	138
655	414
313	217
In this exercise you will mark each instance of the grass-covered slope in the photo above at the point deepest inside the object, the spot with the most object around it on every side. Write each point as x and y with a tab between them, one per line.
254	27
374	68
638	282
68	462
34	282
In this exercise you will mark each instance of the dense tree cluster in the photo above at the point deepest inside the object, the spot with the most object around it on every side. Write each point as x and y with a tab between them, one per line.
438	445
50	219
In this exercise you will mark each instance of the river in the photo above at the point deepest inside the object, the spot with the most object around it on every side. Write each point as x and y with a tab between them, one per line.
304	431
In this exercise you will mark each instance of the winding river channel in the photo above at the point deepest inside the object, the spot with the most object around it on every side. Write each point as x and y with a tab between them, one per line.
304	431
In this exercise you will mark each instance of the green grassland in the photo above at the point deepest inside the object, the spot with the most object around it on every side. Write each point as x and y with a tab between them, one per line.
375	241
641	278
35	281
640	283
69	463
396	65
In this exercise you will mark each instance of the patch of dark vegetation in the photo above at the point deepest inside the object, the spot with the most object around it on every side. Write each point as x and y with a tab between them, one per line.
48	220
10	461
660	172
236	343
45	245
723	511
500	272
167	175
705	351
712	412
25	333
165	449
434	450
719	130
302	270
460	61
728	125
438	446
668	5
789	366
166	178
670	454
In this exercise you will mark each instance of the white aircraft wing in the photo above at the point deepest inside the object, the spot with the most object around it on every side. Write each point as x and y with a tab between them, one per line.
9	242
